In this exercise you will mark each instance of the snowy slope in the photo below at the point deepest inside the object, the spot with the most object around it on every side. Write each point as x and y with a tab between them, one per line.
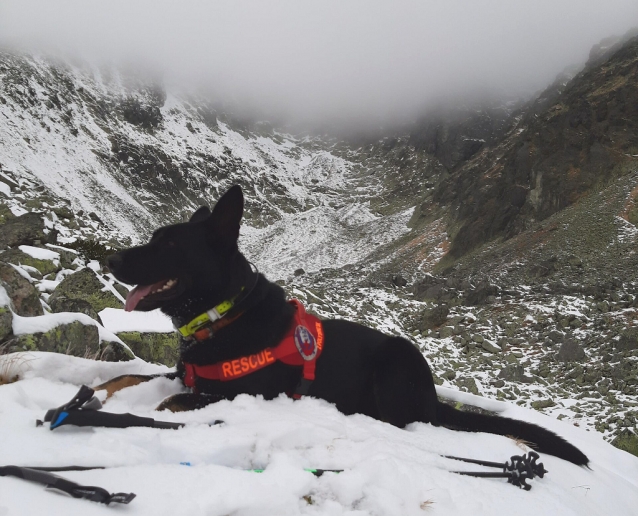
388	471
71	129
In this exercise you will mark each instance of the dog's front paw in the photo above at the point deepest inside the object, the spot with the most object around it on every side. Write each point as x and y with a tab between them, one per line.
187	401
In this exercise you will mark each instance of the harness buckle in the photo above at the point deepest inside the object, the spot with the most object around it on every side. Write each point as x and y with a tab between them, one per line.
302	389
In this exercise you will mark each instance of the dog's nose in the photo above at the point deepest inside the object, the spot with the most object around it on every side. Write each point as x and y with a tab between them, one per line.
114	261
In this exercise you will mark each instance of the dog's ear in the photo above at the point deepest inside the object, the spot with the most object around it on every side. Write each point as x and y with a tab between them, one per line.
201	214
227	214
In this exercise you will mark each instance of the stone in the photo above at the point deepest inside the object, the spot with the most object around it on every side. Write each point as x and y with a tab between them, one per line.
86	286
115	352
514	373
478	338
434	317
627	441
556	336
399	281
628	340
469	384
570	351
489	347
24	230
64	304
17	257
6	323
299	272
75	338
541	404
446	331
24	296
160	348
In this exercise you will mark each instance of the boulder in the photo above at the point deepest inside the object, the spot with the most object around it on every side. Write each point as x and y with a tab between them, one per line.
24	296
64	304
27	229
570	351
628	340
434	317
489	347
514	373
75	338
6	323
86	286
160	348
18	257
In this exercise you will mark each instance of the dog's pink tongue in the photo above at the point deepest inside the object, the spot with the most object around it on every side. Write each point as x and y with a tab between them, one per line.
135	295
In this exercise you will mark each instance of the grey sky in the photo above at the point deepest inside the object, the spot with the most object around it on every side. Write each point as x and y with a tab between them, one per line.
363	60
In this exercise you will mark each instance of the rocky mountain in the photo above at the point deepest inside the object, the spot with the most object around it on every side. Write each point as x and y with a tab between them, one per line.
499	237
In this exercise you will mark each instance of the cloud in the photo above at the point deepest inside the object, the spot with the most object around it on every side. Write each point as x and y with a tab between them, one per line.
350	61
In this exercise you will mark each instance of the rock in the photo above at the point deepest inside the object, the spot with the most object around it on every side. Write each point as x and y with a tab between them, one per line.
628	340
514	373
469	384
541	404
115	352
556	336
570	351
299	272
85	285
67	257
483	294
75	338
574	261
23	295
446	331
123	291
64	304
478	338
18	257
6	323
627	441
24	230
161	348
489	347
603	306
399	281
434	317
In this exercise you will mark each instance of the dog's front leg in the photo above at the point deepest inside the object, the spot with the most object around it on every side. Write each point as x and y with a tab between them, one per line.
127	380
188	401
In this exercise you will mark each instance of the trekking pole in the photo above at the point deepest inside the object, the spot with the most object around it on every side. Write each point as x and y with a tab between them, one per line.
517	472
84	410
54	482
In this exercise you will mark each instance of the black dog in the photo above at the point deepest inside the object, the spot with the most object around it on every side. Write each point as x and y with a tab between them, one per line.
189	269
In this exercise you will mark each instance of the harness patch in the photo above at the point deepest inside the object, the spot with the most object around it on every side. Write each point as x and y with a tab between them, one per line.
244	365
305	342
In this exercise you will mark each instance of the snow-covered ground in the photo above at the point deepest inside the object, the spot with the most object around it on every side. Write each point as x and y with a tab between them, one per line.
387	471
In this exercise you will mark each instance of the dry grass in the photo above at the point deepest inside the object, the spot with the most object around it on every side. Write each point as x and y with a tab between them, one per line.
427	505
521	443
11	365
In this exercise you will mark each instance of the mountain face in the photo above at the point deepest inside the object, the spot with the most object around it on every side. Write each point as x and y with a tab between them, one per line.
565	145
499	237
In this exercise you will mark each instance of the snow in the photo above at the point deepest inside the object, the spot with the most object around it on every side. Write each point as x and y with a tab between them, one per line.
5	189
41	254
387	471
116	320
44	323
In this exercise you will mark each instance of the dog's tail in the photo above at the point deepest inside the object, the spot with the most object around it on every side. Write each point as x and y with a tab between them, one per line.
541	439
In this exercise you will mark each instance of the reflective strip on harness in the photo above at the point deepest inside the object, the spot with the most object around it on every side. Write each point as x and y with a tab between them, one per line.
301	346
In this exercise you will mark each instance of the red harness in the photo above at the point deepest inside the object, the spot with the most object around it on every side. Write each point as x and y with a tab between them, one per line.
301	346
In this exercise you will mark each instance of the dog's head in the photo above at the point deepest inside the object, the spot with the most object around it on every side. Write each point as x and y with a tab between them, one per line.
184	263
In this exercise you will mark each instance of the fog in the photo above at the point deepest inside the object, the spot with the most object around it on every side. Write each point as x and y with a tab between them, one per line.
351	62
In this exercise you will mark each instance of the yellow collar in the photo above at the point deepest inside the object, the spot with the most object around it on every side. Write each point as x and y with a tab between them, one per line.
212	315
